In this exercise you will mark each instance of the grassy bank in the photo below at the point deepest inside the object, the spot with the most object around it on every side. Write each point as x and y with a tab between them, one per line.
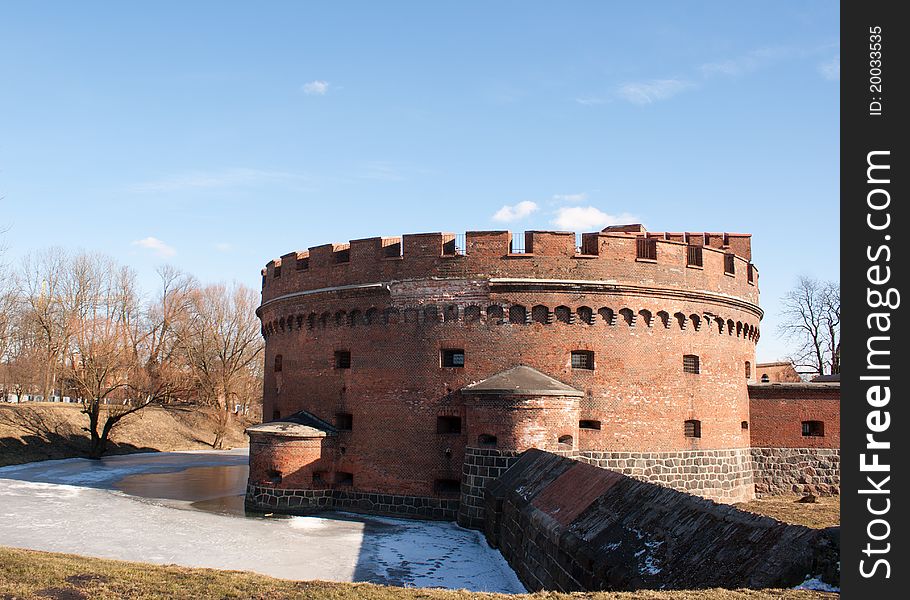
26	574
30	432
823	513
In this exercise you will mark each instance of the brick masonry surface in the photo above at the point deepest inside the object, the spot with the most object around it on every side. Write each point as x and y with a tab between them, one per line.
568	526
777	413
780	471
291	501
395	305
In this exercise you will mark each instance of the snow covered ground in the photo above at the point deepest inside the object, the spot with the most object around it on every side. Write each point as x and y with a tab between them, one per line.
71	506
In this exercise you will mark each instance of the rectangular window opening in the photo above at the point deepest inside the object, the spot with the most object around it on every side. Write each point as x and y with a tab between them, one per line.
814	428
342	359
344	421
452	358
583	359
692	428
589	424
694	255
646	248
729	264
447	487
344	479
691	364
448	424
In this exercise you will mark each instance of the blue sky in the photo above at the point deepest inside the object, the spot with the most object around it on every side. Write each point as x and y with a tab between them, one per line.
216	136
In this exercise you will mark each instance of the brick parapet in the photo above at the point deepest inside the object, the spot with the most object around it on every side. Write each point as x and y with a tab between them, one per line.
613	257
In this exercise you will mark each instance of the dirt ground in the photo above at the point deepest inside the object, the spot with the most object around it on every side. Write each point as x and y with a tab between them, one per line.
42	431
825	512
27	574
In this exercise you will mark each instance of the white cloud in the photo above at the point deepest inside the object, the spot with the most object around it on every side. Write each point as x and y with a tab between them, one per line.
316	88
648	92
830	70
751	61
197	180
515	212
579	218
571	197
157	247
590	100
223	247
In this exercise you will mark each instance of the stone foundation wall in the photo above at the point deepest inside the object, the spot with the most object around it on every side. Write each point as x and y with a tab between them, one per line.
721	475
481	465
780	471
303	502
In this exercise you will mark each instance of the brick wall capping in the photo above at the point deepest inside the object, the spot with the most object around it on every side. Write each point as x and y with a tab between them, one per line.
301	424
521	381
792	385
279	429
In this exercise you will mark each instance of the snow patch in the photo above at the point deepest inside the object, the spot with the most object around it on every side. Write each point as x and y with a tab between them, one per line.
817	585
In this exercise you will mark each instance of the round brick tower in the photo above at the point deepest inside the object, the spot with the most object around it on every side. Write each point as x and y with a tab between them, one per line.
647	339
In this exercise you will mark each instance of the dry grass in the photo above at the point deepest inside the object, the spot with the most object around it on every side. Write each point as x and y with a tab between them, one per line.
29	574
823	513
30	432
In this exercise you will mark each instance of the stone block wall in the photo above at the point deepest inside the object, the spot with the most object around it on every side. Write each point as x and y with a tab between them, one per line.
780	471
481	466
303	502
722	475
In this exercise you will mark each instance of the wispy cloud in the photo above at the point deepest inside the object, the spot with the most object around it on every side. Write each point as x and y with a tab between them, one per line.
156	246
590	100
581	197
516	211
751	61
198	180
648	92
830	70
577	218
223	247
316	88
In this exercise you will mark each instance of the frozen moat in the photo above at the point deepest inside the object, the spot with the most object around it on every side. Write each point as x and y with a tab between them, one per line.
186	508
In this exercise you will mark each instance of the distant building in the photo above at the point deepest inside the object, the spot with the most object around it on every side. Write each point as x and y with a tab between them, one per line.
776	372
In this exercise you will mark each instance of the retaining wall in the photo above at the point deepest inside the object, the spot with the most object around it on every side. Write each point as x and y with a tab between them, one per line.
564	525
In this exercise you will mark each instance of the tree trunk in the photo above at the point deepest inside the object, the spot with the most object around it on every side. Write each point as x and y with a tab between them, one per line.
98	444
222	423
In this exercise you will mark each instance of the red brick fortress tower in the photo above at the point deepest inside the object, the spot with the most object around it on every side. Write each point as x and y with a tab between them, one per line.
634	351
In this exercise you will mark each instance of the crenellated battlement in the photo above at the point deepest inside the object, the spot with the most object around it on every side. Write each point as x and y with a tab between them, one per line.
711	261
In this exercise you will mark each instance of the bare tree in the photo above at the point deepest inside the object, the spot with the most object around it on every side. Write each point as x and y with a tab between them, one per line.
122	357
222	343
811	319
40	286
